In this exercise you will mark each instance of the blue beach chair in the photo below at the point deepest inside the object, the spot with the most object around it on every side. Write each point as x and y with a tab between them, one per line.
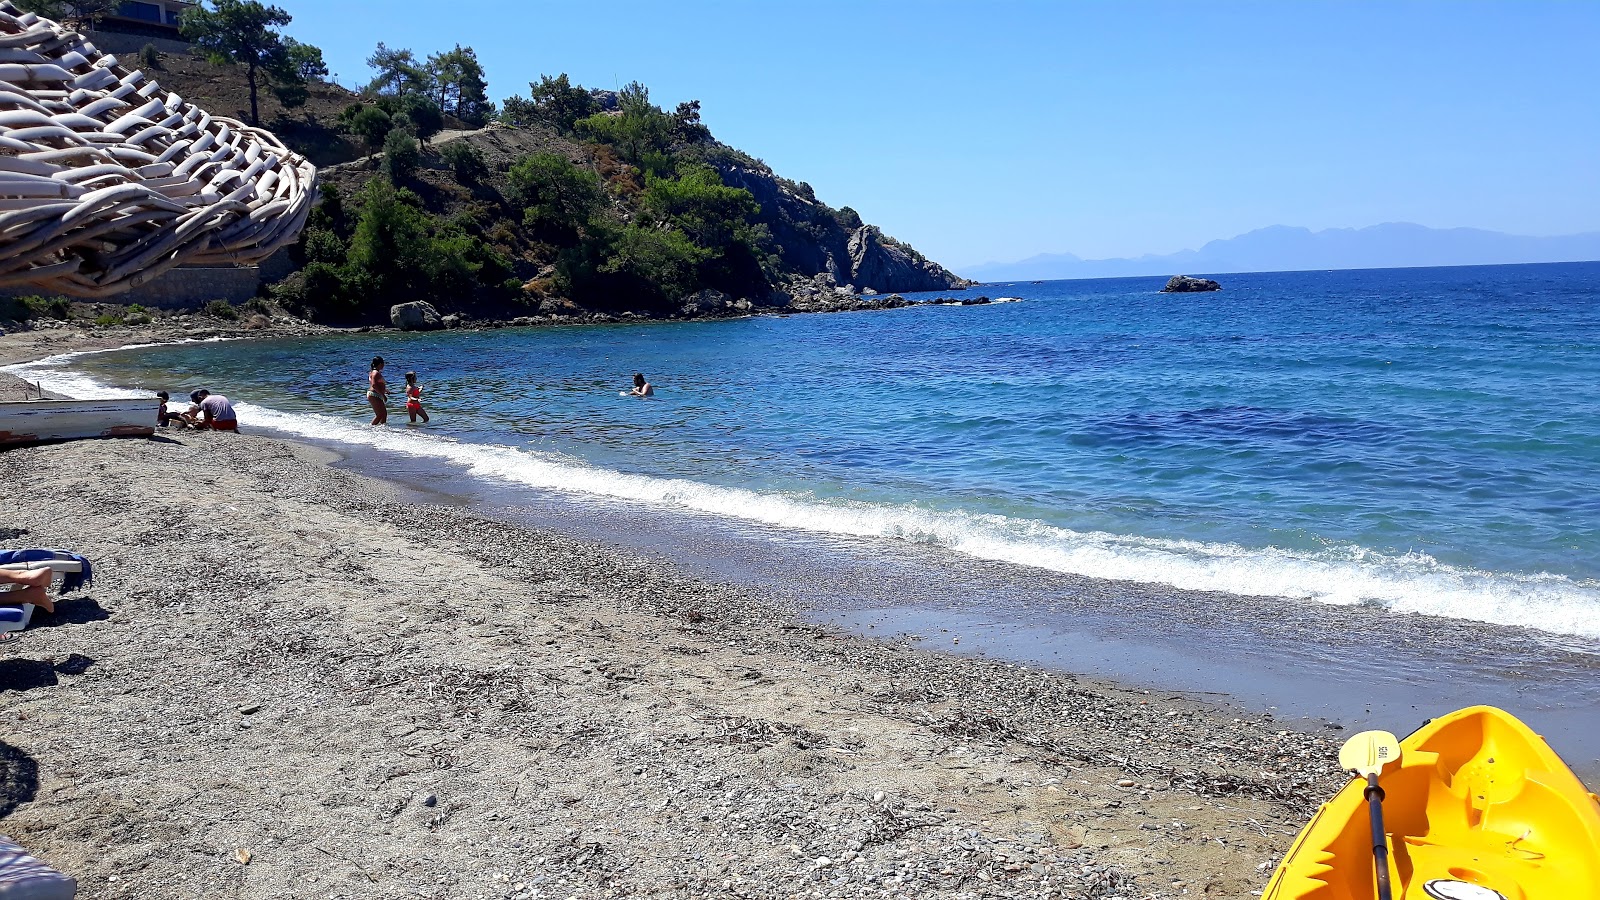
73	570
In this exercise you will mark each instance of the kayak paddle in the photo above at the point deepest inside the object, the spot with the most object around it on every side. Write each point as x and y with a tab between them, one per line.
1366	754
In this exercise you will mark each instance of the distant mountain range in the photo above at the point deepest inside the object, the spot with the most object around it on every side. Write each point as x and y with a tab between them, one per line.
1282	248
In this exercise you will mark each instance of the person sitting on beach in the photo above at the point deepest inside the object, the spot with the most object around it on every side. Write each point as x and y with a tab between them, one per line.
165	416
35	588
212	411
414	399
378	392
641	388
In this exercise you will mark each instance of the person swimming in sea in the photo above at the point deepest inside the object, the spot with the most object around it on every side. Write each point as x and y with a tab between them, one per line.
641	388
378	392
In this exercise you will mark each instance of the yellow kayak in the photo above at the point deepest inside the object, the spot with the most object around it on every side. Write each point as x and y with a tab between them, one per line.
1478	808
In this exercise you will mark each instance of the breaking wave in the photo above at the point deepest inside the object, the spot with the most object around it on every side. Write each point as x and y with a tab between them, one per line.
1348	575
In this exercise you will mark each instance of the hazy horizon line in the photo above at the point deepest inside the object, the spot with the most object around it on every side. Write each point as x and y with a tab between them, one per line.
1199	273
1306	228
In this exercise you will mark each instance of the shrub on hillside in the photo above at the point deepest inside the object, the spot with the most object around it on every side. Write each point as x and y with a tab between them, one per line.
150	57
421	112
221	309
25	309
556	101
398	250
558	197
322	245
465	161
400	155
369	123
13	309
519	110
255	306
662	261
642	133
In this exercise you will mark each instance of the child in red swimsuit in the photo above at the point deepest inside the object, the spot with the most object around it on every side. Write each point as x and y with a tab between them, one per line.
414	399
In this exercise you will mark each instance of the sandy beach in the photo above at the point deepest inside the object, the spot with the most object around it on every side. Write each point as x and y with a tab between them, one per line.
293	681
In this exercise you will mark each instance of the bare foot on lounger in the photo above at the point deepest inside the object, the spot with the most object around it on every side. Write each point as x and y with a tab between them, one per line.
35	588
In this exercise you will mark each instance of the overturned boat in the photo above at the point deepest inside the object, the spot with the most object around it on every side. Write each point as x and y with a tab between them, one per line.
37	421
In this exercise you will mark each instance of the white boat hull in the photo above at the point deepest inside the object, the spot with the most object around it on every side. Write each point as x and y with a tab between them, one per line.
36	421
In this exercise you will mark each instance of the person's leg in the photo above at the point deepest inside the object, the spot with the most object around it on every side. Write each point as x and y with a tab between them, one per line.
379	413
35	588
424	414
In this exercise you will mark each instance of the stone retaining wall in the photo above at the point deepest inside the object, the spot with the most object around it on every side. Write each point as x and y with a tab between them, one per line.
121	44
182	288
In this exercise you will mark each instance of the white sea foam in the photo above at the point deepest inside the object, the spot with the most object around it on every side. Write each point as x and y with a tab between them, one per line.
51	373
1414	583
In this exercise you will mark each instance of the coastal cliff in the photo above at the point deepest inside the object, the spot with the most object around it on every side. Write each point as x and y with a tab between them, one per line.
816	239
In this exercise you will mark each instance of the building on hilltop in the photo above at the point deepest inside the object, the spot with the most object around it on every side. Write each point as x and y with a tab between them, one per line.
152	18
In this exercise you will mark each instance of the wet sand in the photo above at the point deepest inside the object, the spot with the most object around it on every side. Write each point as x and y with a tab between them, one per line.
1316	666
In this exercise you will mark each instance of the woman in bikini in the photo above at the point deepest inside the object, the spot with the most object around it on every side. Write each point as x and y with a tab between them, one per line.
378	392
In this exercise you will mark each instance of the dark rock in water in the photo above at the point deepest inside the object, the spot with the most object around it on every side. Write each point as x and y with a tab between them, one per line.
418	315
1183	284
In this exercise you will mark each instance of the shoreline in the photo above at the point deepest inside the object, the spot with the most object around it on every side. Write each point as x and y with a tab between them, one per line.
959	773
29	342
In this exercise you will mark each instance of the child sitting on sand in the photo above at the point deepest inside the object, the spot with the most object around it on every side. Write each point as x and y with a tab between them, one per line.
414	399
165	416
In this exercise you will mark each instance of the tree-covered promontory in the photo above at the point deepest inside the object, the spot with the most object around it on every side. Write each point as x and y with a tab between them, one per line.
560	200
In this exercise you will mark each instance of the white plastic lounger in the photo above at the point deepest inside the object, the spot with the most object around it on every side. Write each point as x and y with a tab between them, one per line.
25	877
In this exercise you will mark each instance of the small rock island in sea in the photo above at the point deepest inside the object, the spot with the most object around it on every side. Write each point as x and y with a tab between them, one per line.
1183	284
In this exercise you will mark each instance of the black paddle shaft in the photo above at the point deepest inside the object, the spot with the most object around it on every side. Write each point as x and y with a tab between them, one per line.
1380	846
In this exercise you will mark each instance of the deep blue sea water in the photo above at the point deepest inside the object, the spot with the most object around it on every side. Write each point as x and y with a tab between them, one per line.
1426	440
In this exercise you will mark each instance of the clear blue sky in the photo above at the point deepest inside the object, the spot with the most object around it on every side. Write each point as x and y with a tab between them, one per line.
997	130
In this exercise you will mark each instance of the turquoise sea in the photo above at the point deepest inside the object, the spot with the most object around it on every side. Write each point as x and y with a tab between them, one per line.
1423	440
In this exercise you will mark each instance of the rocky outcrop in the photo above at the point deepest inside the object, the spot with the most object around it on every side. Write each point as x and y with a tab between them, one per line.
1183	284
711	304
418	315
884	264
812	238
